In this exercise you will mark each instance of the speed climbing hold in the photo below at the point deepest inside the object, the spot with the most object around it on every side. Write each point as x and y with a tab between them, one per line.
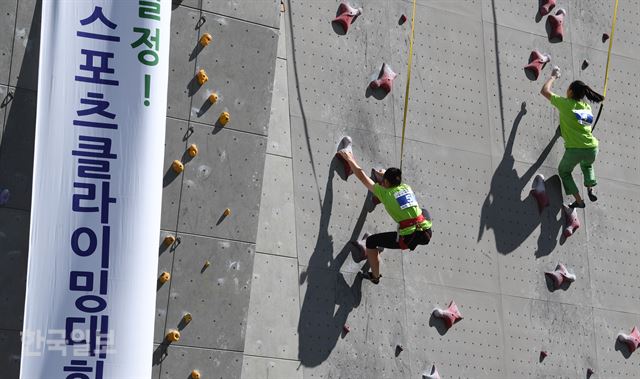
177	166
345	146
164	277
590	372
556	22
346	328
206	265
571	221
224	118
450	316
192	150
539	192
213	98
431	374
543	355
205	39
173	336
385	79
631	340
187	318
537	61
402	20
169	240
546	6
227	212
605	37
5	195
585	64
560	275
195	374
346	15
202	77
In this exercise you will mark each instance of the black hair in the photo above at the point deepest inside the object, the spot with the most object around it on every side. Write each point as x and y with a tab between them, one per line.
581	90
393	176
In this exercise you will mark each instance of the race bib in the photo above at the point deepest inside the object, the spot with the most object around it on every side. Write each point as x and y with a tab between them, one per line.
584	116
406	198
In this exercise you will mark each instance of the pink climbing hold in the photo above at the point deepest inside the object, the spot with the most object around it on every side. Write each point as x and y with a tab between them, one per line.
571	221
385	79
451	315
345	145
631	340
346	328
539	192
557	25
432	374
560	276
546	7
346	15
537	61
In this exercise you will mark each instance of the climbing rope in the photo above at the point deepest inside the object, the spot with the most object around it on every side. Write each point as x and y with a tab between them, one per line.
406	95
606	74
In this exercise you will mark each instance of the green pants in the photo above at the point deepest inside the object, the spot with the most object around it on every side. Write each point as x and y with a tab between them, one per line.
570	159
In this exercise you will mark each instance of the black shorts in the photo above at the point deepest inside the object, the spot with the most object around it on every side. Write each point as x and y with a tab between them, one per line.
390	240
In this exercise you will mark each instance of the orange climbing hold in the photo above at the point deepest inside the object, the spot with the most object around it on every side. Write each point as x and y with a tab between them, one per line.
177	166
202	77
164	277
224	118
195	374
213	98
169	240
173	336
205	39
192	150
227	212
187	318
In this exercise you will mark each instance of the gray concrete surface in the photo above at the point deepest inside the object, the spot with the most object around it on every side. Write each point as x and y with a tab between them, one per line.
282	284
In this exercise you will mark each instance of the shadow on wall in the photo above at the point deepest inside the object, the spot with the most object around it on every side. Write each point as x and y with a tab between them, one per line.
16	172
320	325
513	219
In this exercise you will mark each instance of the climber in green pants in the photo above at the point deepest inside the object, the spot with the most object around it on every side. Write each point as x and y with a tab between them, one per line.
581	147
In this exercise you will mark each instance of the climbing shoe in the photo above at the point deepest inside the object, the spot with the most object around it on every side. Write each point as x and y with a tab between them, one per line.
592	194
575	204
369	276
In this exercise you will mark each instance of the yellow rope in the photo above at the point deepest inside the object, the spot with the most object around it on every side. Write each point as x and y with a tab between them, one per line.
406	95
613	29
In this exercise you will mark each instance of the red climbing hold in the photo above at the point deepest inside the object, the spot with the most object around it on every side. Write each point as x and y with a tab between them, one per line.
539	192
431	374
346	328
571	222
632	340
385	79
546	6
402	20
560	275
346	15
605	37
557	25
451	315
345	145
537	61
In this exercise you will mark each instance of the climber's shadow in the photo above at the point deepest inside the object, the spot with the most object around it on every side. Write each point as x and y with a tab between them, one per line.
439	324
160	353
321	322
623	349
513	219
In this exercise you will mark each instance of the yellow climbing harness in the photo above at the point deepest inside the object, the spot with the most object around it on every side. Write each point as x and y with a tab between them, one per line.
406	95
606	73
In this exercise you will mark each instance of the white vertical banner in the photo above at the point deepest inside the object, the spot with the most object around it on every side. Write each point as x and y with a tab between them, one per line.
97	189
